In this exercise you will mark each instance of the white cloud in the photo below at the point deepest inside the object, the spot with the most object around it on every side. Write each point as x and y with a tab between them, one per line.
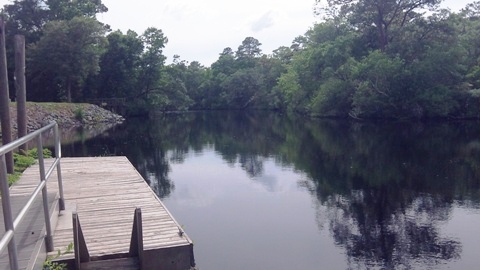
263	22
456	5
200	30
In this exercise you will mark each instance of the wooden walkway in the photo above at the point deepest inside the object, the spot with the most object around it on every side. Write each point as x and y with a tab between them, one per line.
105	191
29	235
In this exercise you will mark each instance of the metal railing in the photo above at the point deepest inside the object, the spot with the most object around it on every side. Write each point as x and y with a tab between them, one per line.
11	224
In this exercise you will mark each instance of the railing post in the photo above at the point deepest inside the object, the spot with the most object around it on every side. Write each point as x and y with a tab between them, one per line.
58	155
7	213
46	211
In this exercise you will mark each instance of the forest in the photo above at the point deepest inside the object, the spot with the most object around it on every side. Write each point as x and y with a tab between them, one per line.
371	59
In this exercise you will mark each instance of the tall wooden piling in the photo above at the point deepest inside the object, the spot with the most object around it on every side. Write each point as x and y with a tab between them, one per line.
4	98
20	87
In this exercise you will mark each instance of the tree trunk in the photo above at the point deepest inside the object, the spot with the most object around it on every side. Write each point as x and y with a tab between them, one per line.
382	38
382	29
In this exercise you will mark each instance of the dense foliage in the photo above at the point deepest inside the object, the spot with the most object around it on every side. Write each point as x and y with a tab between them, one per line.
366	59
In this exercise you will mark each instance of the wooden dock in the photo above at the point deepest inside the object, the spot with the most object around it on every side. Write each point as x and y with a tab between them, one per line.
104	192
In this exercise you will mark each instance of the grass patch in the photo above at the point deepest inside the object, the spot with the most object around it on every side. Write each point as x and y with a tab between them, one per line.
50	265
23	161
79	114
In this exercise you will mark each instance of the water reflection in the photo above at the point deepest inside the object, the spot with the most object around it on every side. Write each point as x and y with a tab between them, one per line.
388	188
384	191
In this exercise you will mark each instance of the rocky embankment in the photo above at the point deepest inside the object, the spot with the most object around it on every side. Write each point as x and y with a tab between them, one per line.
67	115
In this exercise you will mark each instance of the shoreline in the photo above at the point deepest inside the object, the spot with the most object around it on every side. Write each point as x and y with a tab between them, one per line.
67	115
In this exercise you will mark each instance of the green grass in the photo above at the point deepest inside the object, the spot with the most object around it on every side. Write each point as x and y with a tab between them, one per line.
23	161
79	114
50	265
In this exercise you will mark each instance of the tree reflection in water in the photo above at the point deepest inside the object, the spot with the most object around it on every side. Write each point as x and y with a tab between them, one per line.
382	190
375	235
384	193
252	164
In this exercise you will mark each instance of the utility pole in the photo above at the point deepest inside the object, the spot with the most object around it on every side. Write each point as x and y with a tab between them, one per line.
4	98
20	88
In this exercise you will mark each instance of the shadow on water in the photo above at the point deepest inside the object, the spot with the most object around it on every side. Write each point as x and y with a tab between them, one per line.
73	135
382	190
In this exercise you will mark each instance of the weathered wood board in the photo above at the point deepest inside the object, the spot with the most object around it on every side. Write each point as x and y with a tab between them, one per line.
105	191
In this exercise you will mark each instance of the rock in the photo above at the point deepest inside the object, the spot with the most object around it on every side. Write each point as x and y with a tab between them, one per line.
67	115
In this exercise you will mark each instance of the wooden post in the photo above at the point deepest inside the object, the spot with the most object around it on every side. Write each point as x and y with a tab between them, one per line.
136	242
4	98
20	88
79	244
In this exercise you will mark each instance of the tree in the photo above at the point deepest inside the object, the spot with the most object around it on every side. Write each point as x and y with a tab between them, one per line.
298	43
242	87
271	68
249	49
67	53
195	82
227	51
290	94
26	18
225	63
283	53
386	16
172	93
221	69
119	66
69	9
379	91
152	59
468	29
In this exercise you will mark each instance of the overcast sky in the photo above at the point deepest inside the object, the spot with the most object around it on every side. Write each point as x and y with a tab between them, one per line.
200	29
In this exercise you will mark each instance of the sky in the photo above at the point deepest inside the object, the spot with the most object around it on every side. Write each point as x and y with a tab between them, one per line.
199	30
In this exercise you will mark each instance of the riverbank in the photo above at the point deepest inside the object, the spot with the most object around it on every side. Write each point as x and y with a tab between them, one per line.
67	115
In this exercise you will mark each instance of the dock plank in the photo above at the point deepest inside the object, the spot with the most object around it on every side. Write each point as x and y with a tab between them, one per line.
105	191
124	264
30	230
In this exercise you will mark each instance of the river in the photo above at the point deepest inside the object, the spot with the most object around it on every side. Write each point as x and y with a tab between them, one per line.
260	190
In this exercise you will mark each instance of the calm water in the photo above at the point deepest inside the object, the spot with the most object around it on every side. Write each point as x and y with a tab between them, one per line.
267	191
